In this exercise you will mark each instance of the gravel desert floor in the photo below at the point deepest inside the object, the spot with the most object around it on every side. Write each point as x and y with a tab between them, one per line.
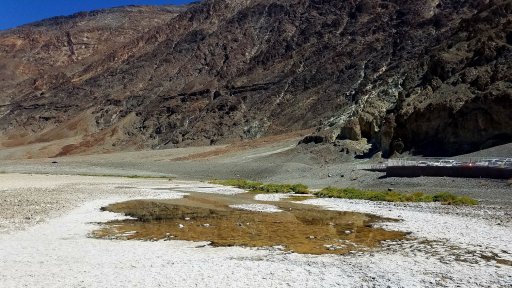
46	221
49	207
267	161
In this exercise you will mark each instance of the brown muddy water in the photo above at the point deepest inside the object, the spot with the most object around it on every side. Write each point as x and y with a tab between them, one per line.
207	217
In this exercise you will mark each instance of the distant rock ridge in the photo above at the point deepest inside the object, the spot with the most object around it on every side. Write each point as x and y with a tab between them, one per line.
430	77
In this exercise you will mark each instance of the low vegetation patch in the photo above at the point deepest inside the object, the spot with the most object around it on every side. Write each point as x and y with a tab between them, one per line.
392	196
258	187
444	198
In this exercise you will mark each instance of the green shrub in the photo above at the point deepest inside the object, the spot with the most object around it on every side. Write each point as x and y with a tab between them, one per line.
450	199
300	189
349	193
258	187
444	197
392	196
239	183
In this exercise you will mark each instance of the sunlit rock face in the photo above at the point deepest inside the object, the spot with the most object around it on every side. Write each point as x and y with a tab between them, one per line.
219	71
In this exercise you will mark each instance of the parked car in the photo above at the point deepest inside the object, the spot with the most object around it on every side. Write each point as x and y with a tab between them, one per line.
422	163
486	162
446	163
497	163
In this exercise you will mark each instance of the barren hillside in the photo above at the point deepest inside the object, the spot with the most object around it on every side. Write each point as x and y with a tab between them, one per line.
432	77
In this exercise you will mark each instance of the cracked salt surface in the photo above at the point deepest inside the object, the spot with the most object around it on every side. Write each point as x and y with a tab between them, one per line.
58	254
271	196
427	223
205	188
267	208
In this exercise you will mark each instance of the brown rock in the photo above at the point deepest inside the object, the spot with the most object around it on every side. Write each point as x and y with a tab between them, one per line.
220	71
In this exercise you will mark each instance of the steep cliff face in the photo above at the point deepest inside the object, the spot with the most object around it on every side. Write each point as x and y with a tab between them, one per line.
466	91
453	97
218	71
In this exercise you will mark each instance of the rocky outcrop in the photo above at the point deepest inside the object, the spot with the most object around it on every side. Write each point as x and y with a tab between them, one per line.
220	71
452	100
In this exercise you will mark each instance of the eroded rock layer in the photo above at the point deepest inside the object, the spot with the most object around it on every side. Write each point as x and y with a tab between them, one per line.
428	76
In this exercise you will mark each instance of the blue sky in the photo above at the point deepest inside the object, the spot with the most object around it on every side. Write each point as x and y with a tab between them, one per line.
17	12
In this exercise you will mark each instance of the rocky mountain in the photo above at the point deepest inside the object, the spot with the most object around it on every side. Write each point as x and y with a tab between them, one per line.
430	77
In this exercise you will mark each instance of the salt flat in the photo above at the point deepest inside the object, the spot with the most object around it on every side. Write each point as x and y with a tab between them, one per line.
56	252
